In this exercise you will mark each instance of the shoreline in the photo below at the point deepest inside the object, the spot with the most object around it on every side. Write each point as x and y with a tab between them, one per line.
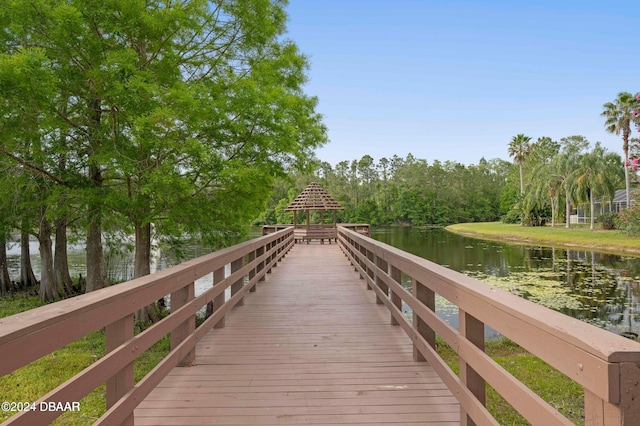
559	237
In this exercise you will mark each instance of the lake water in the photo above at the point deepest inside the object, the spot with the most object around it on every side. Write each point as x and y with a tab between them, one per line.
599	288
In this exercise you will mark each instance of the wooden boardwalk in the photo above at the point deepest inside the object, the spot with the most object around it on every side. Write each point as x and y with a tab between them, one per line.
309	347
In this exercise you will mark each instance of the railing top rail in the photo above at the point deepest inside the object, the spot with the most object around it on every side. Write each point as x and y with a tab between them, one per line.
588	338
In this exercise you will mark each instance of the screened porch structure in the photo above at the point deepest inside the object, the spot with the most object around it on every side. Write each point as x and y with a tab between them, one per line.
314	197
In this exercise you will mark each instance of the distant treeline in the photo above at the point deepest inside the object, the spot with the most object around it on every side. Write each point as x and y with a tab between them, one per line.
544	184
404	190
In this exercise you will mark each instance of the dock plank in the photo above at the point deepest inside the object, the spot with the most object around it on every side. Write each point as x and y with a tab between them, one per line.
309	347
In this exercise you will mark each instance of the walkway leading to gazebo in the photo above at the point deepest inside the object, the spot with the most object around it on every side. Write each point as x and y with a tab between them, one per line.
309	347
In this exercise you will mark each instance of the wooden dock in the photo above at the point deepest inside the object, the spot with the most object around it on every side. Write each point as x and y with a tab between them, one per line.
313	346
309	347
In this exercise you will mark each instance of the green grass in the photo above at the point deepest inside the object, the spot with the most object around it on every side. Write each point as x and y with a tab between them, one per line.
554	387
41	376
578	236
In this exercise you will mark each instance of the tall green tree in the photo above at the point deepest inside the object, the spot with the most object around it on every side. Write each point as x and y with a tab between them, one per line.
564	170
179	114
598	174
519	149
618	116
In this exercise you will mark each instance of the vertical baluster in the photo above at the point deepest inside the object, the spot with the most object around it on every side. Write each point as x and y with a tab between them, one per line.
473	330
179	299
427	297
396	275
236	265
261	264
382	264
121	382
370	273
218	301
252	272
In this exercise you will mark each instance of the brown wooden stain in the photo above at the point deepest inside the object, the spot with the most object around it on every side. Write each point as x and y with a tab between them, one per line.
309	347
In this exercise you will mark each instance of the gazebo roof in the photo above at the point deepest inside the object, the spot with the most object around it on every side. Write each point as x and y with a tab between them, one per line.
314	197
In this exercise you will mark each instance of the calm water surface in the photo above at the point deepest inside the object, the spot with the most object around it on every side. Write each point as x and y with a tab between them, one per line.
598	288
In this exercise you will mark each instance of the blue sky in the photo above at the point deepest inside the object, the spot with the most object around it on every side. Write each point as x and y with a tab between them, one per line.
456	80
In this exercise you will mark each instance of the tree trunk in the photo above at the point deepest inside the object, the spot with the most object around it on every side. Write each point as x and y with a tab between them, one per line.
5	281
27	277
142	267
96	273
567	210
48	290
592	206
60	261
521	181
553	212
625	150
626	179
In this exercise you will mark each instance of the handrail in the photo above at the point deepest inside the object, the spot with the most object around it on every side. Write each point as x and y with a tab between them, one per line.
606	365
30	335
361	228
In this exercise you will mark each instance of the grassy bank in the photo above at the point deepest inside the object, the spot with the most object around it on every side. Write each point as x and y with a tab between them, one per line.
576	236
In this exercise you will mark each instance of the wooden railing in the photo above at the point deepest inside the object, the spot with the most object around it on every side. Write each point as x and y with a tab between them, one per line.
30	335
361	228
606	365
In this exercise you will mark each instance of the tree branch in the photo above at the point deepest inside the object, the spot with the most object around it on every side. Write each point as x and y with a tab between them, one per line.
34	168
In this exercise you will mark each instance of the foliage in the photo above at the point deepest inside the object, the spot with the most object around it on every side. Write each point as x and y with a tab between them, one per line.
398	190
618	116
628	221
156	119
519	149
512	216
608	220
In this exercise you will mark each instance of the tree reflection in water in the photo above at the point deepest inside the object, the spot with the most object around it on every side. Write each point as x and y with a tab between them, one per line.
598	288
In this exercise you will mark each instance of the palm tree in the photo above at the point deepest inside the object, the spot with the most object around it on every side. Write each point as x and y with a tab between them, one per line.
519	150
546	185
618	116
599	173
564	171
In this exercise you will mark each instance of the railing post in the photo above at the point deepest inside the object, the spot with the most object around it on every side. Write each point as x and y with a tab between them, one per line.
179	299
269	256
598	412
473	330
121	382
276	252
236	265
361	263
260	266
382	264
370	272
252	273
218	301
396	275
427	297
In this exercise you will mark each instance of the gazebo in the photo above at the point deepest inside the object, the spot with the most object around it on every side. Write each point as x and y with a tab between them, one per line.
314	197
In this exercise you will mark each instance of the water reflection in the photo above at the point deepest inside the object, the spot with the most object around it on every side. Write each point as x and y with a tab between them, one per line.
598	288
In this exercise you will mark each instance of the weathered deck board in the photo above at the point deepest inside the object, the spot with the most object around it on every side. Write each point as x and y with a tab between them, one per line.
309	347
